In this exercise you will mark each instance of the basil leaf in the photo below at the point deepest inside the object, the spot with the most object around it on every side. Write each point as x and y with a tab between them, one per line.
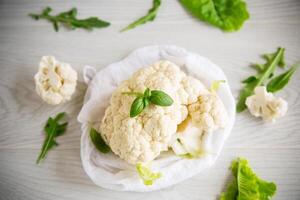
280	81
267	70
147	18
228	15
144	99
53	129
69	19
146	102
160	98
147	93
98	141
137	106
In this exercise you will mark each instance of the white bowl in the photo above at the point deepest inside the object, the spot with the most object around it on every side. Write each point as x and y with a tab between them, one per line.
108	170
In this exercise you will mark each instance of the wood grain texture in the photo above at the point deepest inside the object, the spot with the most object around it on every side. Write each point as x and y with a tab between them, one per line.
273	149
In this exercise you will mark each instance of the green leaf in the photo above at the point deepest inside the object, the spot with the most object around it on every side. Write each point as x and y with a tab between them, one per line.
53	129
137	106
156	97
98	141
252	187
216	85
69	19
249	79
246	185
279	82
231	191
147	93
160	98
146	174
228	15
267	70
147	18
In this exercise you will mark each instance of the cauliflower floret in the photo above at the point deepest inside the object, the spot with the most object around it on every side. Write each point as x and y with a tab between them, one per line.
144	137
208	112
55	81
266	105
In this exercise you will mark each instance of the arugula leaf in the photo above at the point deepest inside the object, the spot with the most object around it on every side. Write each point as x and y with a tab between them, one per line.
143	100
147	18
146	174
160	98
263	74
69	19
246	185
228	15
98	141
280	81
52	129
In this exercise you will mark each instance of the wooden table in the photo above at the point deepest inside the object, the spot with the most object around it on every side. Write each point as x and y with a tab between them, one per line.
272	149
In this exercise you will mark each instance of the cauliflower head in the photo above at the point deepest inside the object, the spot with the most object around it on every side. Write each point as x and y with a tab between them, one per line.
144	137
266	105
55	81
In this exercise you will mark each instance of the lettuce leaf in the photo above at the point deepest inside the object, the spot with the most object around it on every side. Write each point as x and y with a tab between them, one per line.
246	185
146	174
228	15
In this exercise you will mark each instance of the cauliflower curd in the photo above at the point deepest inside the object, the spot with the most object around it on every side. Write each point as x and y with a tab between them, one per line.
144	137
55	81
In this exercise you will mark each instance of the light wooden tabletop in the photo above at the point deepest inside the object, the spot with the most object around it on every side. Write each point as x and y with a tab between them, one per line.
272	149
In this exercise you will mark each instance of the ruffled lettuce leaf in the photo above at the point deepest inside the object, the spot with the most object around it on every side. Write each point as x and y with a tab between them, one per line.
146	174
246	185
228	15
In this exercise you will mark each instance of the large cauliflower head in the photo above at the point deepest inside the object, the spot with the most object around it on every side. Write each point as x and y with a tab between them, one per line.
55	81
142	138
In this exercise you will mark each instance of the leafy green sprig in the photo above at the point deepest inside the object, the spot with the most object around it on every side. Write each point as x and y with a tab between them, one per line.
69	19
143	100
53	129
150	16
264	72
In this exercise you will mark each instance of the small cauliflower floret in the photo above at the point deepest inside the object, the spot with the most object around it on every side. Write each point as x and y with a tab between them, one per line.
208	113
266	105
55	81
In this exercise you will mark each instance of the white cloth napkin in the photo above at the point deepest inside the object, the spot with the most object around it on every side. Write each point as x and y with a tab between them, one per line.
108	170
